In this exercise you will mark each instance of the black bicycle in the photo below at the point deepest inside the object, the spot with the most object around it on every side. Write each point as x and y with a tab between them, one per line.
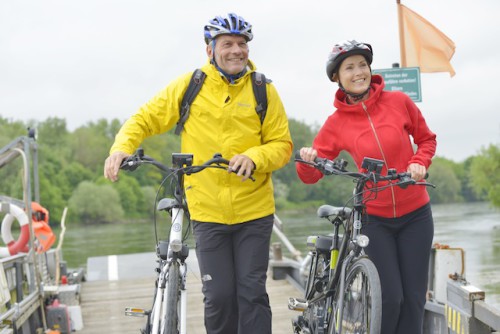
342	292
168	312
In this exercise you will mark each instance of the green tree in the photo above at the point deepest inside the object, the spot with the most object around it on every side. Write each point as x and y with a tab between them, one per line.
131	195
302	135
448	187
148	206
51	198
10	130
468	193
484	176
91	204
69	159
90	145
53	134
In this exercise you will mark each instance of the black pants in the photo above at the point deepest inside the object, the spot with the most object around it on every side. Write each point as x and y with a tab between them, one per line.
233	262
400	248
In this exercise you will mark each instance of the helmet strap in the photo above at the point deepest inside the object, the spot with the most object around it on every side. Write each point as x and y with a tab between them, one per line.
230	77
352	96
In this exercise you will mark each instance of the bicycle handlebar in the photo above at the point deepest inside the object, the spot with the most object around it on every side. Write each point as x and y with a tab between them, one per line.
138	158
338	167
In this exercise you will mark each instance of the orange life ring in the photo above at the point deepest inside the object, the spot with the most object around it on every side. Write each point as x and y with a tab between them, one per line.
21	244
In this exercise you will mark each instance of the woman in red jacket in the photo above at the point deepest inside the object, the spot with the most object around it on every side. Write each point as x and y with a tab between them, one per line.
371	122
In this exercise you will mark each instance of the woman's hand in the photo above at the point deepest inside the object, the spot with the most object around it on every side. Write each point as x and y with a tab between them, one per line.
308	154
417	171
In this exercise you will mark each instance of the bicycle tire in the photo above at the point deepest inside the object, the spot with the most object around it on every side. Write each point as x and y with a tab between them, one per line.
315	316
173	299
362	301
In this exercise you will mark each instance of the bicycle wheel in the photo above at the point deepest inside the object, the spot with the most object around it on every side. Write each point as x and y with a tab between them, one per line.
359	307
316	314
173	299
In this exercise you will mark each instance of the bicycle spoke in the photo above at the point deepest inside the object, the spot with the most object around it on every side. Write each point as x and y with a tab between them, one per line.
361	310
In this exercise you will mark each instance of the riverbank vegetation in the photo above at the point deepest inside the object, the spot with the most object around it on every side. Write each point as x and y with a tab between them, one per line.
71	174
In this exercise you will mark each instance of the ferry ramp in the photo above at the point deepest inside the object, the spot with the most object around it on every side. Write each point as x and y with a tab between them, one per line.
118	281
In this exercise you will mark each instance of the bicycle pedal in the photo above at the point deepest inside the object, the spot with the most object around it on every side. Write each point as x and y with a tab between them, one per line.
135	312
296	304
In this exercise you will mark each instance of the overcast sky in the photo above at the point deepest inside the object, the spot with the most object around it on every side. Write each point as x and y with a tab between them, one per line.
88	60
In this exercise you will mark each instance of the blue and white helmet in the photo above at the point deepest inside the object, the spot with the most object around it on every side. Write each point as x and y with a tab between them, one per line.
230	25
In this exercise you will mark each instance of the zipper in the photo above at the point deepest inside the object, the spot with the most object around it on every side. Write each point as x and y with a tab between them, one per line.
383	156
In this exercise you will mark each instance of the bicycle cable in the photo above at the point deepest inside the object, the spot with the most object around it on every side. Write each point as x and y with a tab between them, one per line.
186	171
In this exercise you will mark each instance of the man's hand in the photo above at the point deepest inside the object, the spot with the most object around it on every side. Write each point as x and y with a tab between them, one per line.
243	164
112	165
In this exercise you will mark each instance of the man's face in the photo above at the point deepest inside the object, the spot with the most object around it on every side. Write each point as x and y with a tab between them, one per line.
231	53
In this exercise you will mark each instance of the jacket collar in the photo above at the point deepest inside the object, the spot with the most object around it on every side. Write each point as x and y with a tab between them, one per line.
376	87
212	72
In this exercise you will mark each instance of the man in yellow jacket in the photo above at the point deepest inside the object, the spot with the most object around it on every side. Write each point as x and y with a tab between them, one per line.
232	220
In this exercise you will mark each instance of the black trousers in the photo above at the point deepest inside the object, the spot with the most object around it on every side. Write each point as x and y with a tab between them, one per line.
400	248
233	262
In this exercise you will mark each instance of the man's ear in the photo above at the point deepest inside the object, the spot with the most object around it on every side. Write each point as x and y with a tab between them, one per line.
209	50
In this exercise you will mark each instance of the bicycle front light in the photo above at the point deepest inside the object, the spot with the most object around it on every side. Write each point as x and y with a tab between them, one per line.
362	240
176	245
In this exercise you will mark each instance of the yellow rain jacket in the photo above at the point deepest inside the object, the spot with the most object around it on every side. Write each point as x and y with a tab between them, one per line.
222	120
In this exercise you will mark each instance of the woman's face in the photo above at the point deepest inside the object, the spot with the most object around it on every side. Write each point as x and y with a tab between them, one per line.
355	74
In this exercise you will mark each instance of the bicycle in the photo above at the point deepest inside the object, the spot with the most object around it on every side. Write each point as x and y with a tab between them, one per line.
168	312
342	291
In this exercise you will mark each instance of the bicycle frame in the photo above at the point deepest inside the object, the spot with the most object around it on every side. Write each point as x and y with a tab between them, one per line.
352	293
169	312
159	311
174	252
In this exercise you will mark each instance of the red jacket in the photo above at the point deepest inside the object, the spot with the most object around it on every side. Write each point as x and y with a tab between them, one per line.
379	127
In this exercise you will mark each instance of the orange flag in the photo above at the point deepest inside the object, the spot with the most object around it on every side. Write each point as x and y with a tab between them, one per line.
424	45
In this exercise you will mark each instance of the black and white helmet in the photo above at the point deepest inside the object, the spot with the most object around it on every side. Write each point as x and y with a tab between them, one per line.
346	49
230	25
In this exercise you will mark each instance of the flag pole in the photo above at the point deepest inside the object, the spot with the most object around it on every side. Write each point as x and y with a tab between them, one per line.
402	47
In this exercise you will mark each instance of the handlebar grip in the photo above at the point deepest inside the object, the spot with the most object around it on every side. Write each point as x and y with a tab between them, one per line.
299	158
129	163
238	169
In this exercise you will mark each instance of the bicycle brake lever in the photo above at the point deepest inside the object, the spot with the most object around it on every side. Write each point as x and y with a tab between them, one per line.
130	163
425	183
406	181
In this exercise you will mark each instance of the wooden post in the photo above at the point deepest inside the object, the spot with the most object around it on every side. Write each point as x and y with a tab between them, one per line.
401	35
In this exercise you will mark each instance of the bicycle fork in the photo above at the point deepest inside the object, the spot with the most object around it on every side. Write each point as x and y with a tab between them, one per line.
157	315
183	301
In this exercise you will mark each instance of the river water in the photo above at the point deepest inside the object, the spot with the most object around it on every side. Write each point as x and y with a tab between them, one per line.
474	227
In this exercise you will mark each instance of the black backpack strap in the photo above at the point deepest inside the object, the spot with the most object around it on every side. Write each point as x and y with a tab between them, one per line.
259	90
192	90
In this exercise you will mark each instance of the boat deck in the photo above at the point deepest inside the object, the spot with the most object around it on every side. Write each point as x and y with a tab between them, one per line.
116	282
